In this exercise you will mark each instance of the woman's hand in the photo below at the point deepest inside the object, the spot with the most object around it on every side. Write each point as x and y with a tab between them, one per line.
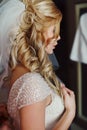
70	108
69	100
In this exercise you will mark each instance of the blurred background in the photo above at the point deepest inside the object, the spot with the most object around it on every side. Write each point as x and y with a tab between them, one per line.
72	73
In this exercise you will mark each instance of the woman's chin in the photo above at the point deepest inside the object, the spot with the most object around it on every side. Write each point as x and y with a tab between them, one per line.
50	52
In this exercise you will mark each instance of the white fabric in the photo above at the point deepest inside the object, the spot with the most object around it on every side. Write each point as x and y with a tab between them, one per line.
31	88
79	49
9	14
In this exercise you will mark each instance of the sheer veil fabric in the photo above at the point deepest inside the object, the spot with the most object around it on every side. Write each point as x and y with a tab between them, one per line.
10	10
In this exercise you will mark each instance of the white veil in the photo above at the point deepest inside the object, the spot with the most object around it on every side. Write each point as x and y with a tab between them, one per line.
9	14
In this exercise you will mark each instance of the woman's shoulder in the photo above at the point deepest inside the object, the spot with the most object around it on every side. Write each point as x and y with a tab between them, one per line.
29	87
18	72
24	76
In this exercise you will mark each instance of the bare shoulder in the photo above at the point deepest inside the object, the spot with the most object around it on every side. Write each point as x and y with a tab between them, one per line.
18	72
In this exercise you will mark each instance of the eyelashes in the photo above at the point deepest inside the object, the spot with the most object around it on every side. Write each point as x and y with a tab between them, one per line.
54	30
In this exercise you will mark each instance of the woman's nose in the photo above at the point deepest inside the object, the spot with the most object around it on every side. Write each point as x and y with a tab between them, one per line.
58	38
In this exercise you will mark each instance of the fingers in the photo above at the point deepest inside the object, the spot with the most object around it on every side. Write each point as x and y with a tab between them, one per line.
69	99
66	91
62	85
70	92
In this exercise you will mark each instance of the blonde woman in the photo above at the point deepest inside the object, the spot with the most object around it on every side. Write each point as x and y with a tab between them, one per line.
37	100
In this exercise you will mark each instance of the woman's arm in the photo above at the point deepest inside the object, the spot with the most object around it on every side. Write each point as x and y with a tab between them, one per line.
32	117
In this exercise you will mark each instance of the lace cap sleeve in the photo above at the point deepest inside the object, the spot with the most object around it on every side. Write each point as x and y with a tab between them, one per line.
33	89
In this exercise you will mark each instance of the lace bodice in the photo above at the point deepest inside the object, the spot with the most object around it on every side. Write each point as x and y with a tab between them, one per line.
31	88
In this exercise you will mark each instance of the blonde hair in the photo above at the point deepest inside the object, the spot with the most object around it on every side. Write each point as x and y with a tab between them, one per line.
29	45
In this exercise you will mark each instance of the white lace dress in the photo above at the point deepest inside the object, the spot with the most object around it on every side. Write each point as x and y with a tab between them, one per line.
31	88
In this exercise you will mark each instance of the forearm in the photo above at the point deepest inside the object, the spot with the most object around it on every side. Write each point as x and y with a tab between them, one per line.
65	121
